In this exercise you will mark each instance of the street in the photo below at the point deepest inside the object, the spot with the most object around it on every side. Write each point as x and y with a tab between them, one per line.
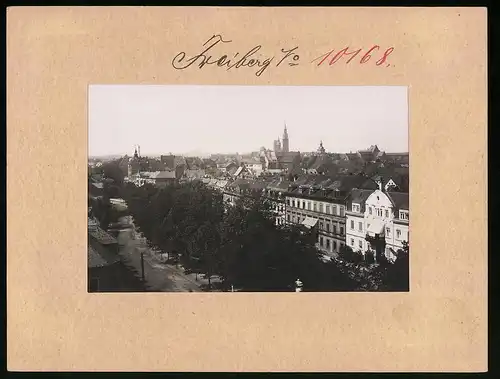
160	277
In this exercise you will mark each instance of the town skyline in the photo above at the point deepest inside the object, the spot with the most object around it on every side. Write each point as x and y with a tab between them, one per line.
243	119
202	154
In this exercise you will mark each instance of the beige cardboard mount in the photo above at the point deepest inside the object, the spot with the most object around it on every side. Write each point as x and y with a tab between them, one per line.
54	53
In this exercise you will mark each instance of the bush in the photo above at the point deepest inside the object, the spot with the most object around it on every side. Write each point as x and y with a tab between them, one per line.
348	255
370	257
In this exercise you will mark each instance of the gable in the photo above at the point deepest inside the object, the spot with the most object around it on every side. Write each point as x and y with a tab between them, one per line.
379	199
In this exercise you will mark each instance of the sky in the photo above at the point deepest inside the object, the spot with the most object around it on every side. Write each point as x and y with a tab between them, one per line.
185	119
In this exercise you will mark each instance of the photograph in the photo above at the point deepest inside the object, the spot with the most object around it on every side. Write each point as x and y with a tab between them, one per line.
226	188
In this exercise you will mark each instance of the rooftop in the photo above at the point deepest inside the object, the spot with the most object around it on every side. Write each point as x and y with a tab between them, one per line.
102	236
100	258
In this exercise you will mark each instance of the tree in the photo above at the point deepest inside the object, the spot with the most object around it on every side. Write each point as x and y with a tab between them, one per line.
347	254
242	244
396	276
113	171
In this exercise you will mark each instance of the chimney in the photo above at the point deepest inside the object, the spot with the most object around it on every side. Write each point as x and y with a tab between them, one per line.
381	184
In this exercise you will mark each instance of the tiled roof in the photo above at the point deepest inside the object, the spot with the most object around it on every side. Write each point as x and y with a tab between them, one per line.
100	258
232	170
194	173
102	236
279	184
326	187
258	185
401	200
239	184
165	175
95	259
238	171
221	183
359	196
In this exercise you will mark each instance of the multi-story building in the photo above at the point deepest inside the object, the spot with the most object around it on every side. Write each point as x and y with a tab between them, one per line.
377	221
235	190
319	201
275	193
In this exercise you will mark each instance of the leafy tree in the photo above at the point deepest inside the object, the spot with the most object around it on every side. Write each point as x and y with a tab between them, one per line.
240	244
396	276
113	171
347	254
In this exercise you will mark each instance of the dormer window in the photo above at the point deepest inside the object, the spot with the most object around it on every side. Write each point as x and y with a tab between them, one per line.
356	208
403	215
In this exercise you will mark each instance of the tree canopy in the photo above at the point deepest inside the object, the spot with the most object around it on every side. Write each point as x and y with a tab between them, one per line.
240	244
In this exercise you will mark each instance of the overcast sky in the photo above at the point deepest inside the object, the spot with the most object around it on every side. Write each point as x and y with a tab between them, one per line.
229	119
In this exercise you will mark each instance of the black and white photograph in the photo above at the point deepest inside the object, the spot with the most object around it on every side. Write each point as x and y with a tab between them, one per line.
248	188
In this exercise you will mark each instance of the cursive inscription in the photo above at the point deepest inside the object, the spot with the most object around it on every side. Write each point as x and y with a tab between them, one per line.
252	58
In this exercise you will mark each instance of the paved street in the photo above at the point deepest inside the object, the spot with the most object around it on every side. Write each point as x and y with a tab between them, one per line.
160	277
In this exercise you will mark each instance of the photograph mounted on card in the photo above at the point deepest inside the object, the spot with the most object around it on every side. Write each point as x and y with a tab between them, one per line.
196	207
232	189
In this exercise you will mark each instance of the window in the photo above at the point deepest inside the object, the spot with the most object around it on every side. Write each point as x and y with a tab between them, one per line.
386	213
314	207
288	217
403	215
370	210
309	205
352	224
388	232
320	225
327	210
334	245
341	230
294	203
328	243
352	242
360	244
334	228
398	233
360	226
334	209
328	228
321	241
303	205
321	207
341	211
379	212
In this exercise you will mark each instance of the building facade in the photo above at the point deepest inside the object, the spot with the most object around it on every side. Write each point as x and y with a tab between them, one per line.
324	211
377	221
275	193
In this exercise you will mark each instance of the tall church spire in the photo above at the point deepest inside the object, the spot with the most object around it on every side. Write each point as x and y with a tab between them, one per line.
286	143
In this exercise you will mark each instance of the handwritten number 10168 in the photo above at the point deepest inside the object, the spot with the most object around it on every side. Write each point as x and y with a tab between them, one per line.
362	57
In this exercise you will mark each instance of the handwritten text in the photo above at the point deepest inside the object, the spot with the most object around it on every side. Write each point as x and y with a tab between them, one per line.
252	58
380	57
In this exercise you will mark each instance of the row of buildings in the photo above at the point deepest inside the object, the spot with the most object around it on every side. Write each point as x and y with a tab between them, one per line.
265	162
351	210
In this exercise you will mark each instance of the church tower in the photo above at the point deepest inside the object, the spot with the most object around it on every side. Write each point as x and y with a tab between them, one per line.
277	146
321	149
285	145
